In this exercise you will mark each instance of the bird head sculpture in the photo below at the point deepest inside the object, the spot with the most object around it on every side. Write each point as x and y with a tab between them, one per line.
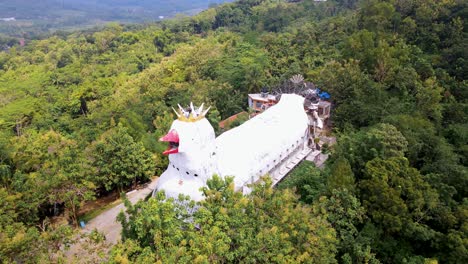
191	143
189	134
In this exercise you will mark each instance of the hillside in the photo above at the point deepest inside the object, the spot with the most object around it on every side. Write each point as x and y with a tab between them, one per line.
80	115
36	18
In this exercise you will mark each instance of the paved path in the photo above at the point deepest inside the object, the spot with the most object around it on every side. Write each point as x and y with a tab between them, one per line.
106	222
318	158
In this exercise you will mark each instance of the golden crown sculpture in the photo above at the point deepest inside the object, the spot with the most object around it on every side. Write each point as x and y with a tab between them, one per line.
191	115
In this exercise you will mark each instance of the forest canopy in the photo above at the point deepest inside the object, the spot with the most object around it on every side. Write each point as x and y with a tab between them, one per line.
81	112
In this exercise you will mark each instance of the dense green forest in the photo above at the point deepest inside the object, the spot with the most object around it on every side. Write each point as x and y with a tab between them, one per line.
80	115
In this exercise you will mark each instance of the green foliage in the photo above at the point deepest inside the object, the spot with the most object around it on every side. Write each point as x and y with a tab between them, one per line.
240	119
228	16
431	153
308	181
396	72
120	160
345	214
349	81
341	176
376	15
396	195
50	164
214	118
381	140
392	142
225	227
399	201
20	243
243	66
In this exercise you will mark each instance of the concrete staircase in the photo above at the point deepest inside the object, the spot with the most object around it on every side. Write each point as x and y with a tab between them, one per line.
290	164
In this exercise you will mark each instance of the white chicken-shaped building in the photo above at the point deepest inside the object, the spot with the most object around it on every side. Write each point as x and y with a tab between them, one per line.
262	145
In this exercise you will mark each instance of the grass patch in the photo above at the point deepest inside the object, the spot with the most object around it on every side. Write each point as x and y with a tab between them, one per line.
95	212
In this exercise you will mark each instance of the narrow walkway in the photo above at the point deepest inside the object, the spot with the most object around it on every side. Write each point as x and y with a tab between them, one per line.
290	164
106	222
318	158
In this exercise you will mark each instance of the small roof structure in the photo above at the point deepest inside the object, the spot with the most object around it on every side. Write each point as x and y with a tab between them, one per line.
231	119
265	97
323	103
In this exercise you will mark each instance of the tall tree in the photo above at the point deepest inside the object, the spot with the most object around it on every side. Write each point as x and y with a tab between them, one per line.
226	227
341	176
401	203
51	165
119	160
307	180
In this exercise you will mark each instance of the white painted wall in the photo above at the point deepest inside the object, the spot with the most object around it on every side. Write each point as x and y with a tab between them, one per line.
246	152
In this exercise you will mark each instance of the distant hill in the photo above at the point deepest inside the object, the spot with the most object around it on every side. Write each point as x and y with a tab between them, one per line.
34	17
81	114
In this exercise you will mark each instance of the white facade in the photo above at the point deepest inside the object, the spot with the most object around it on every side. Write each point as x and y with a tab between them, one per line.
246	152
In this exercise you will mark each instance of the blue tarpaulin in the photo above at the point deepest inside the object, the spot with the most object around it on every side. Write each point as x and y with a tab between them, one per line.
324	95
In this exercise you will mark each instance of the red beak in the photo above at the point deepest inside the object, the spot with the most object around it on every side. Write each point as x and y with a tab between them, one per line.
173	138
